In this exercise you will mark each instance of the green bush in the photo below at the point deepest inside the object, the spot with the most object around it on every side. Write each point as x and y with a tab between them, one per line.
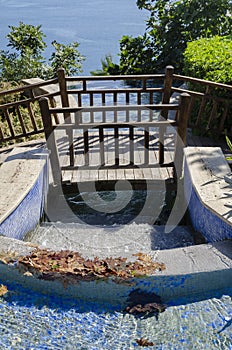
170	26
209	59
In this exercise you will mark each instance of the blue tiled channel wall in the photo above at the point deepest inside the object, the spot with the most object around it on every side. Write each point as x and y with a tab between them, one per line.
29	212
213	227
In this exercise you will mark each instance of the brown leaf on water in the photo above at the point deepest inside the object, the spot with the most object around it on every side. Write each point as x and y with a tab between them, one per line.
144	342
3	290
149	308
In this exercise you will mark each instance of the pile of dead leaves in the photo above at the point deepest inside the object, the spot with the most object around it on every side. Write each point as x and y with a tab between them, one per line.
52	265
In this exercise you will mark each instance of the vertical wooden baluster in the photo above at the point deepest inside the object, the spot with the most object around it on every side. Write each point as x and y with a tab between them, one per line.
32	116
139	104
131	136
103	104
146	145
21	120
86	146
71	148
212	114
102	147
79	99
9	122
202	107
127	103
115	103
1	135
91	104
63	89
224	115
51	142
116	135
164	114
53	105
151	102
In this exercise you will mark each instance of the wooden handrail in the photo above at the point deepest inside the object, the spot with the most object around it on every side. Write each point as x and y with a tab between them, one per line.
74	123
119	107
28	87
202	82
205	104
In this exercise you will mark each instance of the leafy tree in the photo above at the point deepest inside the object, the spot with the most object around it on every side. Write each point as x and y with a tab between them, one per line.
66	56
26	38
171	25
27	61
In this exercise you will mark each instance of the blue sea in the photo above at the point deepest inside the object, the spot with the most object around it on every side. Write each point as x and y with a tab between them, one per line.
97	25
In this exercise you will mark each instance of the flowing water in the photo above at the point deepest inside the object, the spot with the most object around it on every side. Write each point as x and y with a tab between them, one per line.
29	320
32	321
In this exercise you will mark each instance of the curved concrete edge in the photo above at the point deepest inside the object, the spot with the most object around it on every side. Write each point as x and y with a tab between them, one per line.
23	186
190	271
210	196
49	89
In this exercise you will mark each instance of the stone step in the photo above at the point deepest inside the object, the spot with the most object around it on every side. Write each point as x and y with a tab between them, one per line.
115	241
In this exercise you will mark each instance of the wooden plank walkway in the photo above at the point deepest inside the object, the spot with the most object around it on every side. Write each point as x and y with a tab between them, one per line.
133	170
138	174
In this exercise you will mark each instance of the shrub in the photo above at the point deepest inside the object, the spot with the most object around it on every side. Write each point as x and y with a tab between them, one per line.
209	59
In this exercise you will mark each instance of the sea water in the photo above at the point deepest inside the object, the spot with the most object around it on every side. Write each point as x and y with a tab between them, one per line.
97	25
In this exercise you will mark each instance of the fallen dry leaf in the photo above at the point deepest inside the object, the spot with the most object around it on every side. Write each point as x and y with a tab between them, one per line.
8	257
3	290
144	342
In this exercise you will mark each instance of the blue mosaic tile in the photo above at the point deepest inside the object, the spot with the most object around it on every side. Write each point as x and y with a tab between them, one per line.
212	226
29	212
34	321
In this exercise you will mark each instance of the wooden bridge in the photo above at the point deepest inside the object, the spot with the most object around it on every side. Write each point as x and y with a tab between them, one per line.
127	137
113	127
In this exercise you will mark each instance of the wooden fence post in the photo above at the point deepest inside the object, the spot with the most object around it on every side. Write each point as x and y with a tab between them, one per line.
67	116
50	140
63	87
181	131
164	114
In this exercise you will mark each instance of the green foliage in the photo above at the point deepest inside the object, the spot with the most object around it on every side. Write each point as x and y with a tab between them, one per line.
27	61
132	53
67	57
229	144
171	25
16	124
108	67
26	37
209	59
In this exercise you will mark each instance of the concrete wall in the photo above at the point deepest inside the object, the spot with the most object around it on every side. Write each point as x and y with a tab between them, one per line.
23	186
210	196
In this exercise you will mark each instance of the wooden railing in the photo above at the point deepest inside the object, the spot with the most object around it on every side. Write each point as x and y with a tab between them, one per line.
73	121
210	109
20	114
